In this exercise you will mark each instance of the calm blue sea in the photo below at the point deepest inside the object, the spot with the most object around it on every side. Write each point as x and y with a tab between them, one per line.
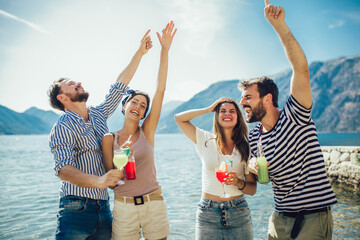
29	190
339	139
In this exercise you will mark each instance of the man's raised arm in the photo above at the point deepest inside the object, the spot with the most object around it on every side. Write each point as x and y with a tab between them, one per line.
300	81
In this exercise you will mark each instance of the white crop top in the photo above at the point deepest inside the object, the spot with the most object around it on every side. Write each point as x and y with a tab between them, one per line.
210	159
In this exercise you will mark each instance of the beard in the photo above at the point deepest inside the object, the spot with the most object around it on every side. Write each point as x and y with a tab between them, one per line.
257	114
79	97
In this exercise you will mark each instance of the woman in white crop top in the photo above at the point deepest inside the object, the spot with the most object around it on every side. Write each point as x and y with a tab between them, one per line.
139	204
217	217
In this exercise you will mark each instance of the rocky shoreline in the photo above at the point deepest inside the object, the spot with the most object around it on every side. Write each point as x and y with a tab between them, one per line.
343	164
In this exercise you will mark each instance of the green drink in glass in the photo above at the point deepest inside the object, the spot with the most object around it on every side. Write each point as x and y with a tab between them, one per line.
120	160
263	174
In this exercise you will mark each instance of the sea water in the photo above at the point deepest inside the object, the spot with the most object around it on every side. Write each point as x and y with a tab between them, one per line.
29	191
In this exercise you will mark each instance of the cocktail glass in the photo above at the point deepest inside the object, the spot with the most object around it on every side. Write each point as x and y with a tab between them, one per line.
222	175
120	160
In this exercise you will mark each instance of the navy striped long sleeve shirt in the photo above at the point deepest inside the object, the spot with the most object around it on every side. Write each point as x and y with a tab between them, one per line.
78	143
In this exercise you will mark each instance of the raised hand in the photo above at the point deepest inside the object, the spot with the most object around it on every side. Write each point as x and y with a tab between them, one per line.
146	43
274	14
167	36
220	100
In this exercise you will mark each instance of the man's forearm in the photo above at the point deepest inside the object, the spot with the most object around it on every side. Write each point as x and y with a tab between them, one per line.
300	82
292	48
77	177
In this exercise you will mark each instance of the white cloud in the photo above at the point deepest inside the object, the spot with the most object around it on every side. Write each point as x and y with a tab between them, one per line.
338	24
353	16
30	24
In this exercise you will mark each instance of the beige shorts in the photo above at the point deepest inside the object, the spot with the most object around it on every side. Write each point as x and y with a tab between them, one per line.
151	217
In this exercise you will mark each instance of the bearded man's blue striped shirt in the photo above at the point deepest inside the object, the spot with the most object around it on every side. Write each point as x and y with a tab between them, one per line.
78	143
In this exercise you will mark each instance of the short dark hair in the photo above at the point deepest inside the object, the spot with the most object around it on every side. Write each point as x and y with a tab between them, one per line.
265	86
54	91
133	93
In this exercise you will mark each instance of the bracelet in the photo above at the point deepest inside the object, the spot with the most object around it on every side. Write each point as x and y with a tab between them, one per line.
243	186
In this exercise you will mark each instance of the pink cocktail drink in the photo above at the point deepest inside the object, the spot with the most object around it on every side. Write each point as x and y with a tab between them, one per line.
221	176
130	170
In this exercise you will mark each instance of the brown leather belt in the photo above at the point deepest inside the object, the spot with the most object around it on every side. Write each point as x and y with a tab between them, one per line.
139	200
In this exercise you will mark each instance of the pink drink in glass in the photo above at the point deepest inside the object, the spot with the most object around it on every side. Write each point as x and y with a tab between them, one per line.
220	175
130	169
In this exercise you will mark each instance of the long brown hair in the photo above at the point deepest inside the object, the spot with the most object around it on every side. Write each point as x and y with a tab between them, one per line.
239	134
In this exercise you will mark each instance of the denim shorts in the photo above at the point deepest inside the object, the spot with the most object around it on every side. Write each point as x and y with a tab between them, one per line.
83	218
223	220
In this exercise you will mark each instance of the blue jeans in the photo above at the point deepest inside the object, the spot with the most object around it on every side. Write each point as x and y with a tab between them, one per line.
223	220
83	218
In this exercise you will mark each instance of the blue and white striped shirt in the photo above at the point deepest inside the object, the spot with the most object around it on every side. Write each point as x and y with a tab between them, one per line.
296	169
78	143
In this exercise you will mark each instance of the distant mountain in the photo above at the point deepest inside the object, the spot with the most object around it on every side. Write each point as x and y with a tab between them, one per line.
12	122
169	107
116	120
37	121
48	117
335	88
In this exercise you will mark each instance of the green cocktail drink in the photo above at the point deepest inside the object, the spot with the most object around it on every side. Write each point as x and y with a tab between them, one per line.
263	174
120	159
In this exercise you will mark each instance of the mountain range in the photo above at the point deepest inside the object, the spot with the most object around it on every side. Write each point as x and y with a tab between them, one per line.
335	88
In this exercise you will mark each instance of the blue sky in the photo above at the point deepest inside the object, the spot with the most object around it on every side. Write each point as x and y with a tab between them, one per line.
92	41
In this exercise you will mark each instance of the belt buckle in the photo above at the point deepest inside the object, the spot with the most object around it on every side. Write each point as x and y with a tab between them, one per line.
138	200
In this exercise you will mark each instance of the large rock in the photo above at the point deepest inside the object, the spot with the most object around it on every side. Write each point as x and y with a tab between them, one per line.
345	157
354	159
345	172
327	158
335	157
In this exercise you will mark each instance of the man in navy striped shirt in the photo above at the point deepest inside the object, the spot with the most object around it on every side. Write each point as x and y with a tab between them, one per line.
302	191
75	141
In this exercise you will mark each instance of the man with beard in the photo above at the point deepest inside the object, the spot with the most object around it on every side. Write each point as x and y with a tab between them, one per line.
302	192
75	141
